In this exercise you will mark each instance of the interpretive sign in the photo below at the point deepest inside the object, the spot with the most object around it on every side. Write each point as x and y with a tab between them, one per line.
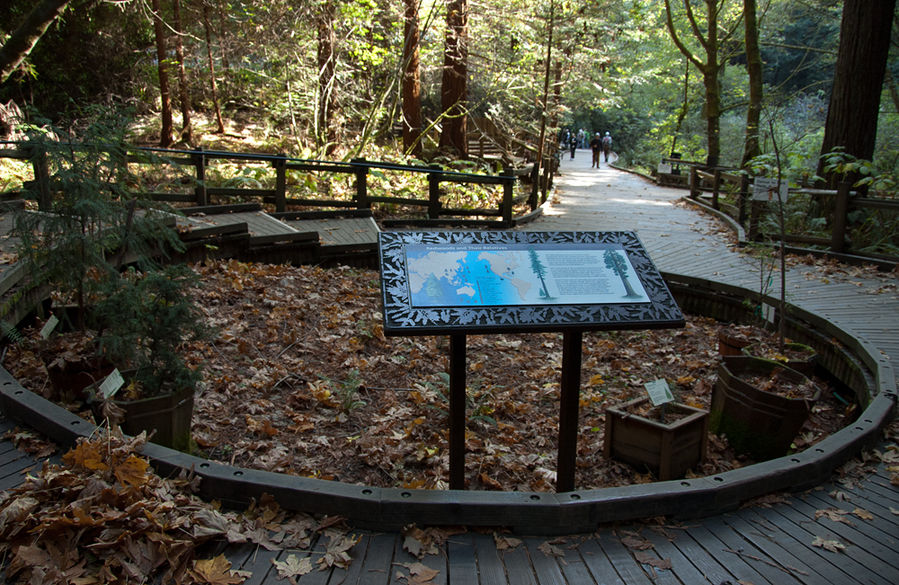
437	282
460	283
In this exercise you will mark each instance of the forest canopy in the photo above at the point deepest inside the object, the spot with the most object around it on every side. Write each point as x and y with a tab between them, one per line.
337	79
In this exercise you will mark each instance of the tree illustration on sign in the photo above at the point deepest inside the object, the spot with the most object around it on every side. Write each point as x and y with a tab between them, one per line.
617	263
540	270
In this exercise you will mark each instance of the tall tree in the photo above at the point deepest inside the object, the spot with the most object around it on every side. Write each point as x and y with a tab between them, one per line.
858	80
411	81
327	93
751	148
183	89
213	86
454	85
23	39
710	42
165	136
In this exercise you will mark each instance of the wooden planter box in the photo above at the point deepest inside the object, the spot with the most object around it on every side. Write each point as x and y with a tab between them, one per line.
756	422
668	450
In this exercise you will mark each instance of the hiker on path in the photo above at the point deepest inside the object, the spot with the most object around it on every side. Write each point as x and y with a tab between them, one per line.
596	146
572	145
606	146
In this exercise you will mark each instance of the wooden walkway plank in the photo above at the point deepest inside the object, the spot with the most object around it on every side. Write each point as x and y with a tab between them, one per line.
545	566
518	566
768	540
681	565
491	568
876	528
399	570
598	563
852	561
739	555
626	566
706	544
462	566
574	567
351	575
777	527
377	565
877	557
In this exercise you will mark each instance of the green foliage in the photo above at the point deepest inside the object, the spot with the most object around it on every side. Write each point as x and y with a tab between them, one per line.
347	391
144	321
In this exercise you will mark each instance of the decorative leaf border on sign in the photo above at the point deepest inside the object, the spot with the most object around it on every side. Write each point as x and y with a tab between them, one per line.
401	318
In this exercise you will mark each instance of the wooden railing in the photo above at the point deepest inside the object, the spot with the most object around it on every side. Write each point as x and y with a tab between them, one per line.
521	190
730	191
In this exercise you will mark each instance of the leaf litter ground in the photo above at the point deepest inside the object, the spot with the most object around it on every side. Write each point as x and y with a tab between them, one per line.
301	380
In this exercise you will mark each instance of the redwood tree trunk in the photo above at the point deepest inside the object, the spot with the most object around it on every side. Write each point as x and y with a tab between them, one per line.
454	86
327	103
184	91
751	148
165	136
213	86
858	81
411	82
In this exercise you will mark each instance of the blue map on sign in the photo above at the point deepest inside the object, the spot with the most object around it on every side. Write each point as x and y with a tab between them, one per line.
442	276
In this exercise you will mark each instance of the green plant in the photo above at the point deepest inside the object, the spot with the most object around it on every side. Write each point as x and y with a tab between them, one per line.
347	391
89	223
145	319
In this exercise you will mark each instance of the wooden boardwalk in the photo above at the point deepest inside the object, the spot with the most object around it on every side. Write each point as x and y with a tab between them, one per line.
770	543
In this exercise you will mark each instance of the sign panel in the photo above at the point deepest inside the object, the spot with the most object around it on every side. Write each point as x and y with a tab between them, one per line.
442	282
766	189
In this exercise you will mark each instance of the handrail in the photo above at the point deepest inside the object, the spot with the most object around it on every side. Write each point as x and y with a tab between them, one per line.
279	196
748	212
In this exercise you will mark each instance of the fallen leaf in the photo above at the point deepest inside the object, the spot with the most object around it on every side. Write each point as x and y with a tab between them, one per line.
419	574
551	550
215	571
506	542
636	543
863	514
646	558
293	567
831	545
834	514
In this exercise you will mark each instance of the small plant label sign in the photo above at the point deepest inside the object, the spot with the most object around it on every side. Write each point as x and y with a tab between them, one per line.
766	189
659	392
49	326
111	384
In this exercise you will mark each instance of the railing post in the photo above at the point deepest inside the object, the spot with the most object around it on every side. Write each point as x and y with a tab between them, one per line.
200	191
362	201
840	219
508	194
694	182
281	183
41	168
742	198
533	201
434	178
715	188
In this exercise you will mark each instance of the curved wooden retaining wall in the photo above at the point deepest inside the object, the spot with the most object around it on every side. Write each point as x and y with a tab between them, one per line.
856	364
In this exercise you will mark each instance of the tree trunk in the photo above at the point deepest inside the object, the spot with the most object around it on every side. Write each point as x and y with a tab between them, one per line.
712	86
751	148
454	85
858	81
23	39
165	136
411	82
184	91
327	101
212	82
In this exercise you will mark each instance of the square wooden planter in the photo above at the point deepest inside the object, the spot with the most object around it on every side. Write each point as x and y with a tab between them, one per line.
668	450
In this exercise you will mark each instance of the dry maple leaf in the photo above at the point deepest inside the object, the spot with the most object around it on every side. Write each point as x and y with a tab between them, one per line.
419	574
863	514
551	550
337	554
831	545
293	567
636	543
506	542
834	514
133	471
646	558
215	571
